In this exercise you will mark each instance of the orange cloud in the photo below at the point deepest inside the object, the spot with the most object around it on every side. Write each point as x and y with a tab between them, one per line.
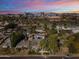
65	3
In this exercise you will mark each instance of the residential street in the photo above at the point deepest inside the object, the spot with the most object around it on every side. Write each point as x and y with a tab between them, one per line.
40	57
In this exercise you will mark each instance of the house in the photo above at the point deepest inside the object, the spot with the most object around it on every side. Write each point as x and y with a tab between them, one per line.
40	34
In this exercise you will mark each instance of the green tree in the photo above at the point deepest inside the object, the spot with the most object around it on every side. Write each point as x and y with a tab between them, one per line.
16	37
43	44
49	45
72	48
10	26
73	43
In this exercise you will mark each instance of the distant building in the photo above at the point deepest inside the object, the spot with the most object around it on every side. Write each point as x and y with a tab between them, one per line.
54	18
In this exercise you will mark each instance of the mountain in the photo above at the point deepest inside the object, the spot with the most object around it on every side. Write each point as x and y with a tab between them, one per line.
10	12
17	12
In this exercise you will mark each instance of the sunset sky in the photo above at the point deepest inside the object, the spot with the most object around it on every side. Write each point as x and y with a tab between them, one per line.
17	6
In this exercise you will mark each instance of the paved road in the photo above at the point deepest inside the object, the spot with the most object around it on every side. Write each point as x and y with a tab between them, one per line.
40	57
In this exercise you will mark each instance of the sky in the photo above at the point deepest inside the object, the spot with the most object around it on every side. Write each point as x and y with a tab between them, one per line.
16	6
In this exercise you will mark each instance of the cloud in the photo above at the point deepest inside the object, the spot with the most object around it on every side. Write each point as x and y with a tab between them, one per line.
52	5
43	4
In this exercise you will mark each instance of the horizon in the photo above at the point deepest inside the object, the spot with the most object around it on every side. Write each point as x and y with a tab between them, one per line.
18	6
